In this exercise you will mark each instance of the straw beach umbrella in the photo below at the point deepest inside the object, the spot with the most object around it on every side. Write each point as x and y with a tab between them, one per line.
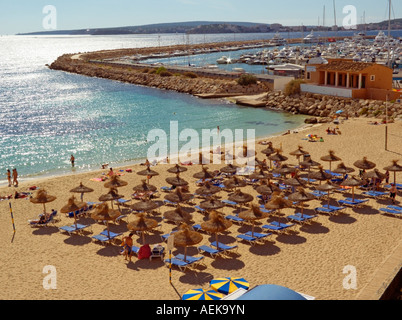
364	164
301	196
278	156
176	181
320	175
269	150
284	169
178	215
204	174
178	196
142	224
240	197
352	182
327	187
342	169
177	169
267	189
115	182
375	174
260	175
103	213
42	197
73	206
145	188
253	214
148	173
298	153
212	204
395	167
208	190
81	189
330	157
111	196
278	202
216	224
144	205
308	163
230	169
186	237
234	183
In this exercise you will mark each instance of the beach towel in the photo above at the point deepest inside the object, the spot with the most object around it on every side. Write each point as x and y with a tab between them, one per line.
144	252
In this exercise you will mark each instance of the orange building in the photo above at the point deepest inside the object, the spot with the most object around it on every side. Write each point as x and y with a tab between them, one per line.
349	79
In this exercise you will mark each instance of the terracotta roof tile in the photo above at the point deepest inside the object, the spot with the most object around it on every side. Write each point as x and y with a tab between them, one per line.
351	66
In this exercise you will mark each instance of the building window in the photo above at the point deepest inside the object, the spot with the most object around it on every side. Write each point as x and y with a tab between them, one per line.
372	78
308	75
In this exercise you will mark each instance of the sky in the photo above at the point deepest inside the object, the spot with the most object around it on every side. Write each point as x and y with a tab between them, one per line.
20	16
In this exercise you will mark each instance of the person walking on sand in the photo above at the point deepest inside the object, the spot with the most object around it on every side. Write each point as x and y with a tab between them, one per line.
15	177
72	159
392	193
9	177
127	244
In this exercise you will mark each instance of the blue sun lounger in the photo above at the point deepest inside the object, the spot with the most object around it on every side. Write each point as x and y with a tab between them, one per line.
182	265
260	236
390	211
331	210
251	240
397	208
278	227
199	209
224	247
375	194
356	203
74	228
235	219
191	259
298	217
105	237
211	251
230	203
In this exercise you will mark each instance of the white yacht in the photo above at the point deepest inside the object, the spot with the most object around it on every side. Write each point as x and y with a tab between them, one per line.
277	40
224	60
311	38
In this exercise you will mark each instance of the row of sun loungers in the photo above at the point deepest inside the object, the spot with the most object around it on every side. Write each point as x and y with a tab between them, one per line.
392	210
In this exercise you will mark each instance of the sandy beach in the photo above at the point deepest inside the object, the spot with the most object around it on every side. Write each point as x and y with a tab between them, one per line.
311	260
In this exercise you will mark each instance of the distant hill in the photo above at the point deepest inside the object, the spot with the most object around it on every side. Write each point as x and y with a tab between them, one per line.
175	27
209	27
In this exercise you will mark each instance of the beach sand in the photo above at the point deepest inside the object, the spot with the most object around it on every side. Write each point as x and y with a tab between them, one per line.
310	261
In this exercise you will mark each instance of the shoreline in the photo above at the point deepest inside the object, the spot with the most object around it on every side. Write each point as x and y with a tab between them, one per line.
122	165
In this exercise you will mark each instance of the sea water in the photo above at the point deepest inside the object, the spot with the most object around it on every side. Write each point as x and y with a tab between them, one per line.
46	115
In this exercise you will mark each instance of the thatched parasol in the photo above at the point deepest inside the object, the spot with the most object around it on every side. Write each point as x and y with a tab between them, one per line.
81	189
204	174
178	215
395	167
186	237
342	169
296	181
330	157
142	224
176	181
284	169
177	169
278	202
278	156
253	214
144	205
103	213
115	182
112	195
298	153
216	223
327	187
178	196
207	190
234	183
73	206
42	197
320	175
260	175
241	197
364	164
301	196
230	168
353	182
376	174
148	173
267	189
145	187
212	204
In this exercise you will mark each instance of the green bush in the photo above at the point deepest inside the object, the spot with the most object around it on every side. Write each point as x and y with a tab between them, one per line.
377	113
293	87
247	79
160	70
364	112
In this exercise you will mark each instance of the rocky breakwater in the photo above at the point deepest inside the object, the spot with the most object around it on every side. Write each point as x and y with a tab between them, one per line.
323	108
186	82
